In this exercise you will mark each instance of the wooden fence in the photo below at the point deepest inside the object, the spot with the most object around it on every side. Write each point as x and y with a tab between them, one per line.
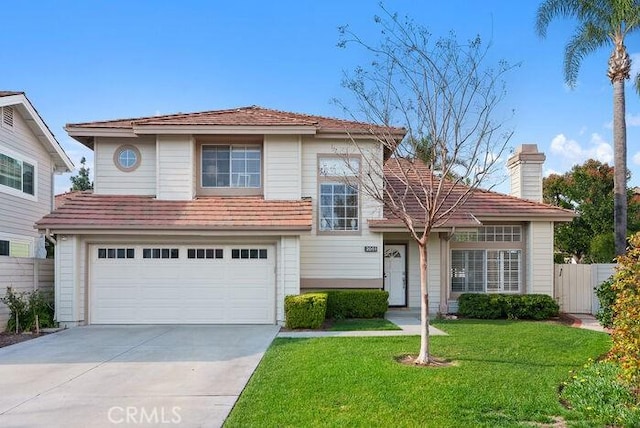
574	286
24	274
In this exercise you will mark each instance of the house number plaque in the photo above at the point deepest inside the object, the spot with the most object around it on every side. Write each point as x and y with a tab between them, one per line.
370	249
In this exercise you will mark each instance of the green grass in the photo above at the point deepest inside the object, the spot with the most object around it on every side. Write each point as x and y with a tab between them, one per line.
595	391
507	373
351	324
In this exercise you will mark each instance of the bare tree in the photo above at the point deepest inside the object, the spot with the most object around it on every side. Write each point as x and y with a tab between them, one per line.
441	92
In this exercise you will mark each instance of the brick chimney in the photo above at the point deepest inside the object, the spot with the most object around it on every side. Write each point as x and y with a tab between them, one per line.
525	172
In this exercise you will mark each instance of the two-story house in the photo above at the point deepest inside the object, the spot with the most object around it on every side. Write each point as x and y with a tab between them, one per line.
215	217
29	157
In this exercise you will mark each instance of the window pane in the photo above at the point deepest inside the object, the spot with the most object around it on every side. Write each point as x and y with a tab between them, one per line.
235	254
27	179
191	253
338	207
219	253
200	253
146	253
111	253
244	254
10	172
467	271
102	252
209	254
175	253
263	253
253	253
121	254
156	253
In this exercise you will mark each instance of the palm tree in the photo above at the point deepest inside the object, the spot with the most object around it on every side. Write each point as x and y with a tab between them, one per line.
601	23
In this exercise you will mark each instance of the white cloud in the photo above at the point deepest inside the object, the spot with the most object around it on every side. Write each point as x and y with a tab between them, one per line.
573	153
636	158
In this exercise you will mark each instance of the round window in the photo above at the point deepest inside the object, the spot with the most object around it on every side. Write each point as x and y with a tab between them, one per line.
127	158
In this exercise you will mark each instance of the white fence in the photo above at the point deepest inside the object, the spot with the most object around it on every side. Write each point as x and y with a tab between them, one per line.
574	287
24	274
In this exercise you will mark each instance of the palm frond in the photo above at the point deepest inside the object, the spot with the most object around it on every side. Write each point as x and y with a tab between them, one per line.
551	9
587	39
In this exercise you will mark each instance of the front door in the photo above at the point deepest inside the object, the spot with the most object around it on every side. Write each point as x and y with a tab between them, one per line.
395	274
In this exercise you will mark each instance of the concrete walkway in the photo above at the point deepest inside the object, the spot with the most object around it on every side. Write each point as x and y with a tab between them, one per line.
586	321
407	320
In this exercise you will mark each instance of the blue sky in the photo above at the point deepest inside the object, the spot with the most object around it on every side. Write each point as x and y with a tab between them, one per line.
94	60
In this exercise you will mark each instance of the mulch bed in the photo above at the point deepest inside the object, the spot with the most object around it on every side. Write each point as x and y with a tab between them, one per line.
7	339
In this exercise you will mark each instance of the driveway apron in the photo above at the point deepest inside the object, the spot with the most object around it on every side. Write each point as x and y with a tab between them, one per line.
115	376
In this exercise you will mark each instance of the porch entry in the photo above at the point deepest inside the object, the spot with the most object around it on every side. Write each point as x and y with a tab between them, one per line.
395	274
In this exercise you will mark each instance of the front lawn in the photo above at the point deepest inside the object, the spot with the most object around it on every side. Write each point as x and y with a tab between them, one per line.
507	374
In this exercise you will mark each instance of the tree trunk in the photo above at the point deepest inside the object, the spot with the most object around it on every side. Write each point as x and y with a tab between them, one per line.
424	356
620	167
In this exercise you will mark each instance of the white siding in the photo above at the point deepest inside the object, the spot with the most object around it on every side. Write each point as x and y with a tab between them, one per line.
433	274
332	255
526	180
109	180
24	275
67	300
282	160
540	268
175	167
288	275
19	213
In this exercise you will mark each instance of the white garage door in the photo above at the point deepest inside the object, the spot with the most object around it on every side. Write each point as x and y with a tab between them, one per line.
182	284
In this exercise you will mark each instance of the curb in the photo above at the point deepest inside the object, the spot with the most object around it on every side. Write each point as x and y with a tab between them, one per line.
571	320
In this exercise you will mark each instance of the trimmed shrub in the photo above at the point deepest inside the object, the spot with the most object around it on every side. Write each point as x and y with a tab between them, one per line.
607	297
356	303
305	310
508	306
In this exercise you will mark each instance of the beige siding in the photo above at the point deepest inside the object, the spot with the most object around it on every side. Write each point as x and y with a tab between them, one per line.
109	180
288	274
19	211
24	275
433	274
526	181
282	160
335	255
540	258
175	167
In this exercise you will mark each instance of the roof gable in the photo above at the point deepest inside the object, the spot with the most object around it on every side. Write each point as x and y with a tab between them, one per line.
21	104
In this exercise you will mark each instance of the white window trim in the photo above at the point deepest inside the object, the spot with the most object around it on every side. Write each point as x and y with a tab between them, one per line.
485	290
231	146
327	163
19	193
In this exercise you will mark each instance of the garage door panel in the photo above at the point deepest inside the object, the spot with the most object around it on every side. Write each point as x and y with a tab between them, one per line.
182	290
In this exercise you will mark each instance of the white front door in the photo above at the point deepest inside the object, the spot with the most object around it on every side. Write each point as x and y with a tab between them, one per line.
395	274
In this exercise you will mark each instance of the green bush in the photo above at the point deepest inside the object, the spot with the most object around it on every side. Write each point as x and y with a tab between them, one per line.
356	303
509	306
25	307
305	310
607	297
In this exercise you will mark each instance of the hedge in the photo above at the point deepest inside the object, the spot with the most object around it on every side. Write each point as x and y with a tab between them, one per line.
305	310
508	306
356	303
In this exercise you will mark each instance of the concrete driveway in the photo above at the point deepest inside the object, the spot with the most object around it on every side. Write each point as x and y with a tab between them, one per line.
113	376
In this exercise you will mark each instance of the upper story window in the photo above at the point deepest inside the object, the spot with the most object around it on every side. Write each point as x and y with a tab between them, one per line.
127	158
339	201
236	165
17	174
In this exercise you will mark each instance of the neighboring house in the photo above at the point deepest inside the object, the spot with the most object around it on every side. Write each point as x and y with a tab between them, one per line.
214	217
29	158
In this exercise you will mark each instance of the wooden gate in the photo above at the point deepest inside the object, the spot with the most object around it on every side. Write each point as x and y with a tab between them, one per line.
574	287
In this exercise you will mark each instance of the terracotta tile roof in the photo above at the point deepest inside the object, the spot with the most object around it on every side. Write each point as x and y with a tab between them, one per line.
243	116
82	210
61	198
10	93
480	206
